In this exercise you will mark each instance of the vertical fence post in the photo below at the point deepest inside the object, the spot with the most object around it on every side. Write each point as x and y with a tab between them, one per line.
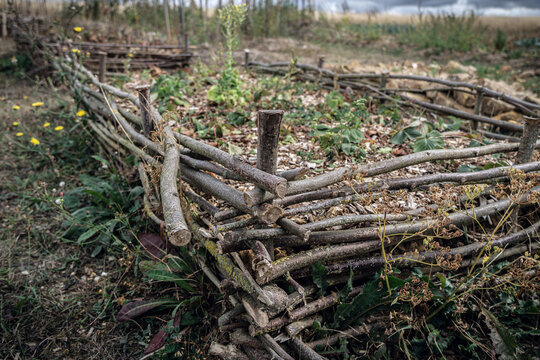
384	79
531	130
320	63
144	105
268	127
246	58
478	106
102	65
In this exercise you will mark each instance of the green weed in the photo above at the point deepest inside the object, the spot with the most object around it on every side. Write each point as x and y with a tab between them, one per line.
344	133
103	212
446	32
424	135
171	91
500	40
229	90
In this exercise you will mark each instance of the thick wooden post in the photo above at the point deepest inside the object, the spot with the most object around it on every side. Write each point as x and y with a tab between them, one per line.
246	58
384	78
528	140
144	104
320	63
478	107
524	155
102	65
269	124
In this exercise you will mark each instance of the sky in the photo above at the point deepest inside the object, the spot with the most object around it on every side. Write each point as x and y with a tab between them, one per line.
483	7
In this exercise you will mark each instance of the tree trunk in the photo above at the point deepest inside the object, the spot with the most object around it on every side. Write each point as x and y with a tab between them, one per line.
267	18
278	18
166	16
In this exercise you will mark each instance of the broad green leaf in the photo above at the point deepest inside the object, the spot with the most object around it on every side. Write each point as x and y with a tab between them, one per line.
161	275
348	312
503	341
398	138
148	265
96	251
319	276
348	286
431	141
412	133
88	234
100	159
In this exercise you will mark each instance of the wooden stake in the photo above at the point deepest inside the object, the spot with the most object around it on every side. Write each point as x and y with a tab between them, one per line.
478	107
528	140
320	63
144	101
268	128
384	76
246	58
524	155
102	65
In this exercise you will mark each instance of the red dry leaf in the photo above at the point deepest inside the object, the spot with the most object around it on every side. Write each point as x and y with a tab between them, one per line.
136	308
153	244
161	337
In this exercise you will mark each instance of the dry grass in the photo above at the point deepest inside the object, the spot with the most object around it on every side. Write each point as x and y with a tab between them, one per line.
511	25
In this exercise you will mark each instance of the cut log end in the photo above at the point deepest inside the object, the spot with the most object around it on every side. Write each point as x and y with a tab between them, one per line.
281	189
180	237
269	213
251	199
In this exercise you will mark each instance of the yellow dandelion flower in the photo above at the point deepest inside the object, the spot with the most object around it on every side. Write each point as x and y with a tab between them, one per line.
88	53
15	123
16	107
19	134
34	141
81	113
76	51
25	97
3	98
77	29
58	128
130	55
37	104
47	124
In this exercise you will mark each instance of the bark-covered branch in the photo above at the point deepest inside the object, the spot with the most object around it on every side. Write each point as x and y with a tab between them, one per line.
177	229
272	183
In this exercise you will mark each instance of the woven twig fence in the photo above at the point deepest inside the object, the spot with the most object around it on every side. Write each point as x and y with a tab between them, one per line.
256	246
377	86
